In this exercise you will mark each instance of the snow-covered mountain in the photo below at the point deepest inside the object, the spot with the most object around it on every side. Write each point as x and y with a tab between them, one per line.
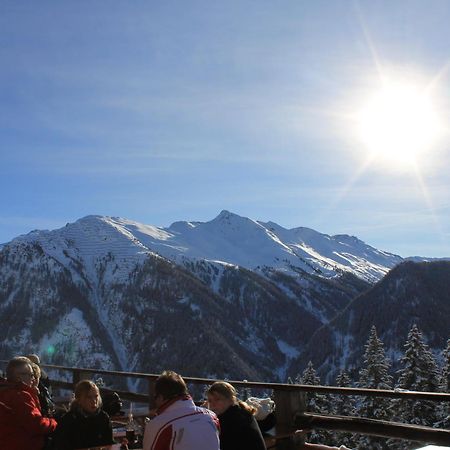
253	244
228	238
111	292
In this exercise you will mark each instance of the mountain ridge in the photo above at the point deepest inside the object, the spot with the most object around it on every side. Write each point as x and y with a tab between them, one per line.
103	290
259	244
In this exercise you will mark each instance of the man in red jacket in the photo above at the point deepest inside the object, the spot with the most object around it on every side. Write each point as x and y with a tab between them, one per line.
21	423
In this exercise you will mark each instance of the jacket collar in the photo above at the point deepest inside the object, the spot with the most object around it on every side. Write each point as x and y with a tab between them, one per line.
171	401
78	410
19	385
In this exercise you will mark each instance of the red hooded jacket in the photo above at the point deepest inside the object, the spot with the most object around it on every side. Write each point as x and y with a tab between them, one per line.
21	423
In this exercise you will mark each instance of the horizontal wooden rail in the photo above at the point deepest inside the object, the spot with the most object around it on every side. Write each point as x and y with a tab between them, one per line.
130	396
289	400
374	427
396	393
125	395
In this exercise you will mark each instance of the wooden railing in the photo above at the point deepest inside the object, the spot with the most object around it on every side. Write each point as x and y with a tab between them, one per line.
290	402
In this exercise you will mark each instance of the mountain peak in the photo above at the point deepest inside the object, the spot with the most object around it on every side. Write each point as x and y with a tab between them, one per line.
227	215
229	237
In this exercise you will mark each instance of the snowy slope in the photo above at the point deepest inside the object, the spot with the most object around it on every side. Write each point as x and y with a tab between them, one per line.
90	243
228	238
251	244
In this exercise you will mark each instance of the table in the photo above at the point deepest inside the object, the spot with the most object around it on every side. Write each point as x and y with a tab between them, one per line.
433	447
120	433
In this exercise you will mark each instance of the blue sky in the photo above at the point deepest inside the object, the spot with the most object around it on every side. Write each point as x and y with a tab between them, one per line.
165	111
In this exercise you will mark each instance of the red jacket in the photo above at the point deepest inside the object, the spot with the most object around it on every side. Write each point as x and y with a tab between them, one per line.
21	423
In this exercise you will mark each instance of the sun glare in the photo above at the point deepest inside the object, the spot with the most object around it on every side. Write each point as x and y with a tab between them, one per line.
398	124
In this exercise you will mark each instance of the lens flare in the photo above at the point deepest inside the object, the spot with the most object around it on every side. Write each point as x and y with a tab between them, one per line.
399	123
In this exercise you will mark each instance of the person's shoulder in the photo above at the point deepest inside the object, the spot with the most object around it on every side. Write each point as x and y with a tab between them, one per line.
23	393
103	416
206	411
67	416
241	415
202	409
240	411
6	387
180	410
14	396
71	416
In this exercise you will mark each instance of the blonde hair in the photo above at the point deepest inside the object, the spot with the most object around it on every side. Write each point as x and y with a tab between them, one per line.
36	370
82	388
229	392
34	358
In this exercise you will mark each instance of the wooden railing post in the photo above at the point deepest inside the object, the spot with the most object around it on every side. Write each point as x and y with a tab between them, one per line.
151	394
75	377
289	404
78	375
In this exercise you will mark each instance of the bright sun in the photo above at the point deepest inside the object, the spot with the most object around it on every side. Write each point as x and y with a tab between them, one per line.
398	123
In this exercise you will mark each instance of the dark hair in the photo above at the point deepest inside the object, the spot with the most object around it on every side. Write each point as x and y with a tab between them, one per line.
14	364
170	385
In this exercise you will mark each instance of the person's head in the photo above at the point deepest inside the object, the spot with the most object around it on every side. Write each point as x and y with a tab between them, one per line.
37	374
87	397
34	358
169	385
221	395
19	369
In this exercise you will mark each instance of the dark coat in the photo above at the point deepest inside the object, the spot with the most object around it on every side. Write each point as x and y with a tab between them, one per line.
239	430
79	430
45	399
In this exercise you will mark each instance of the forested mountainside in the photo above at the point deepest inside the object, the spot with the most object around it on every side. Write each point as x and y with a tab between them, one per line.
413	293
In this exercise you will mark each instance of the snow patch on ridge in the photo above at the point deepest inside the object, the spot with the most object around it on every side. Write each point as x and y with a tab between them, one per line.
121	244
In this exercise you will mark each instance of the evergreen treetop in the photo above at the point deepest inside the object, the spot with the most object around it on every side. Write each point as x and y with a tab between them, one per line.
375	373
419	372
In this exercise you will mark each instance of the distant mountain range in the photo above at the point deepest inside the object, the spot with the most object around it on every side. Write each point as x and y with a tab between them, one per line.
232	297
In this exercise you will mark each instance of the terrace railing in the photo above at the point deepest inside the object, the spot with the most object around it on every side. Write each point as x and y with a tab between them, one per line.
290	402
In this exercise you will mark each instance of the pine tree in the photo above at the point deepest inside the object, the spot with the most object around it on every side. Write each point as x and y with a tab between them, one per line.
316	403
445	377
419	373
444	408
309	376
344	405
374	375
